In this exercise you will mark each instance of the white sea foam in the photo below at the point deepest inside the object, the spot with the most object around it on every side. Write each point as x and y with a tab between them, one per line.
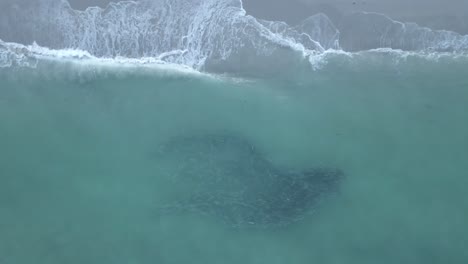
72	63
211	36
201	34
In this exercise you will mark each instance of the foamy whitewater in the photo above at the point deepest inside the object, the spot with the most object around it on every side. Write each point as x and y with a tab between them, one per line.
212	35
261	118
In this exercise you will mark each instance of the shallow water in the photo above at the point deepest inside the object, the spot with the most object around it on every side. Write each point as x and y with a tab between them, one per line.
80	182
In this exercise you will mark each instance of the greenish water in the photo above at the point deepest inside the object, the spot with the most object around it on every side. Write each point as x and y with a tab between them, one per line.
79	181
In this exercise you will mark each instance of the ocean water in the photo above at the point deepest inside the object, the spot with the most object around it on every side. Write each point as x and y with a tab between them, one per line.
81	181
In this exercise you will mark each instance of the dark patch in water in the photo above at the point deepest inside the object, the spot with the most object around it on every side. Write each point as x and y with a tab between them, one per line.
230	180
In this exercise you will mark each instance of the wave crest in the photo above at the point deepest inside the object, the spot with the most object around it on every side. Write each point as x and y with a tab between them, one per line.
209	35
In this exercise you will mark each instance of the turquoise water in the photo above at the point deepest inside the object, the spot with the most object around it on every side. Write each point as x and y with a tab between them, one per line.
79	181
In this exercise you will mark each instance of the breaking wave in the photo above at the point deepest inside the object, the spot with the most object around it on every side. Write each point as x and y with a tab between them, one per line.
212	35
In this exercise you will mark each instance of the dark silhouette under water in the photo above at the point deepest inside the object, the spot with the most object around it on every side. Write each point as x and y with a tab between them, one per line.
230	180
